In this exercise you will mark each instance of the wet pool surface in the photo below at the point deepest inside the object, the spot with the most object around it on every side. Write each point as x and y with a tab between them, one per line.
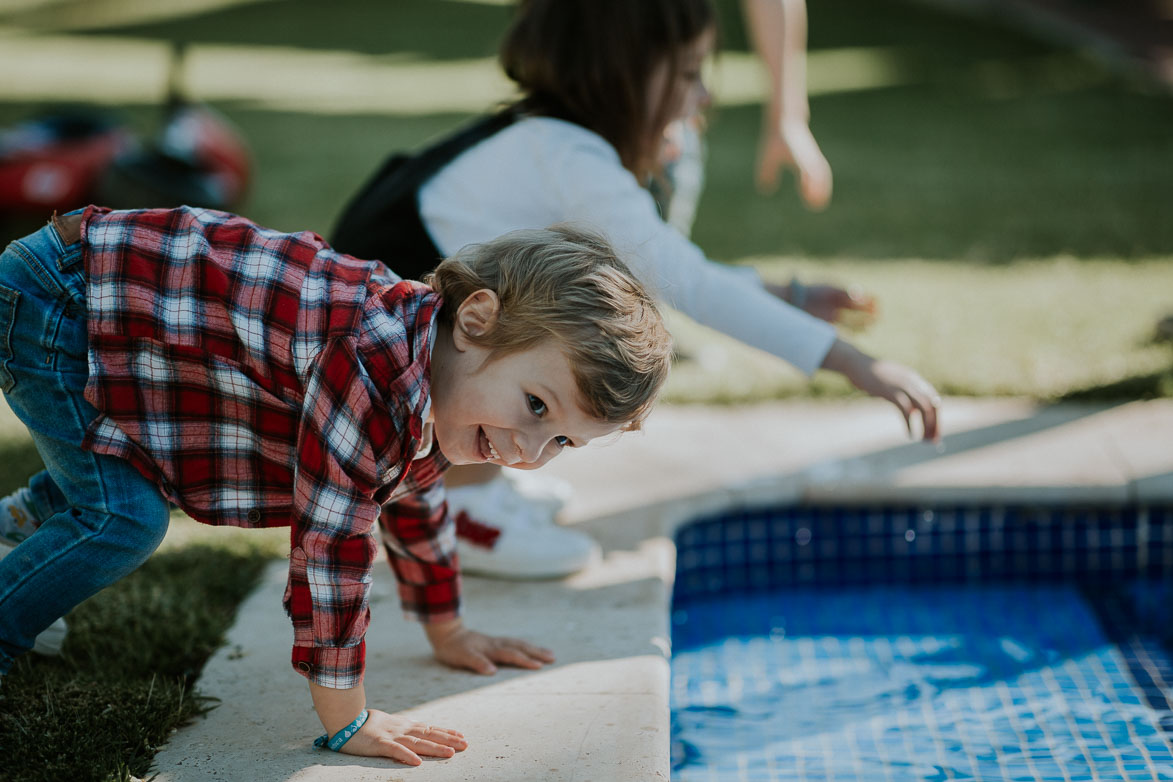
807	670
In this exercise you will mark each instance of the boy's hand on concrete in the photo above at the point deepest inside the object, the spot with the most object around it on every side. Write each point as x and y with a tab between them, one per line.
900	385
457	646
401	739
383	734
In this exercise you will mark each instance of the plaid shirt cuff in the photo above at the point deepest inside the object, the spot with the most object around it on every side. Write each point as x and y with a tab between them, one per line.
339	668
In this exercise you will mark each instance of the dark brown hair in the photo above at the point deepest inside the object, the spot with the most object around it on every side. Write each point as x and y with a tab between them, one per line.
590	61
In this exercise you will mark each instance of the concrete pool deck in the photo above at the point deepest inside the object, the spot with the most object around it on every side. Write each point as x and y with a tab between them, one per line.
600	714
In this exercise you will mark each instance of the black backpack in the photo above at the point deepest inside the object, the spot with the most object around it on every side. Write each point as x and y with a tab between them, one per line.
382	222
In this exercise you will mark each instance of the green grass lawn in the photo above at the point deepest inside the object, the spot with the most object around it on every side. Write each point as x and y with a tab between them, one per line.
1050	329
126	677
1007	201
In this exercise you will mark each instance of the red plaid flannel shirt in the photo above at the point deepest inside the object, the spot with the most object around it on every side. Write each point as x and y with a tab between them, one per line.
262	379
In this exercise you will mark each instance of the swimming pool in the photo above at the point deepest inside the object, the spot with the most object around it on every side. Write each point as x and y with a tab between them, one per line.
924	643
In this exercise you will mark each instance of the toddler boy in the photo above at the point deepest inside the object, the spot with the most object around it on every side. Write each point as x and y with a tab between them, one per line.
256	378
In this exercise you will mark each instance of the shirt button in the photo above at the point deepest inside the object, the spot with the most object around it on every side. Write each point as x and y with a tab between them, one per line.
304	667
254	515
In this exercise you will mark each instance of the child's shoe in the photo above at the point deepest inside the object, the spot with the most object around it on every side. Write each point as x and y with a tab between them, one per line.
501	534
545	490
17	519
52	639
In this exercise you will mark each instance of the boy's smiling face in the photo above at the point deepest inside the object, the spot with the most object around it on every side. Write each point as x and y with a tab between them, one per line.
519	410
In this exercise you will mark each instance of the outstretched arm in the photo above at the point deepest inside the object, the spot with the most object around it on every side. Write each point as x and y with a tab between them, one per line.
777	29
903	387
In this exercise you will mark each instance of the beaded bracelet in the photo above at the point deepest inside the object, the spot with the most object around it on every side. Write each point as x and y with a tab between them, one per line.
342	736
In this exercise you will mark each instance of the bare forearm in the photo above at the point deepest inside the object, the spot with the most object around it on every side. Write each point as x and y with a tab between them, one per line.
337	708
845	358
777	29
899	384
439	632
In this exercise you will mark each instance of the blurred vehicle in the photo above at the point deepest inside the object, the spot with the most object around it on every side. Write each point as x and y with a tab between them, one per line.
198	159
54	161
71	157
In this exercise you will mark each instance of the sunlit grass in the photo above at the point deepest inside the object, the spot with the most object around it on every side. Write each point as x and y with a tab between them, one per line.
284	78
136	71
1043	328
99	14
123	69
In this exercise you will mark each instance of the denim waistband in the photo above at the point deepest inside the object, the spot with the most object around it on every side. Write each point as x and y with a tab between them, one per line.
56	265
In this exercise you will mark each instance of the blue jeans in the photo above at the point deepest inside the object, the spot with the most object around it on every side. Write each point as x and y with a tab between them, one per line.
102	518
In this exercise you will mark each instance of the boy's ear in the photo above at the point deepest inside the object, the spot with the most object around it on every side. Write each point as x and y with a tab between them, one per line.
476	316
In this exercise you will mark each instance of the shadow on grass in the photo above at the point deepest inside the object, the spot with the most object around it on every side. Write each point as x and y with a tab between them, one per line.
125	679
1157	385
436	30
459	28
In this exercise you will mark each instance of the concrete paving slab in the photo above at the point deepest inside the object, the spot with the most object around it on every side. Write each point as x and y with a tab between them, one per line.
994	451
601	712
1141	436
1070	459
519	724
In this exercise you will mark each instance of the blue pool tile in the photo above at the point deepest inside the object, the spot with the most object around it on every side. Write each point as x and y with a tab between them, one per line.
1003	682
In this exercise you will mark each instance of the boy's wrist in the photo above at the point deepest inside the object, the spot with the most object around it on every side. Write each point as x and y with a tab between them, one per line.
438	632
337	708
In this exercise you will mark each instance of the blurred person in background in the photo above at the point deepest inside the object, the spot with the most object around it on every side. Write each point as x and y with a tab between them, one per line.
777	30
602	82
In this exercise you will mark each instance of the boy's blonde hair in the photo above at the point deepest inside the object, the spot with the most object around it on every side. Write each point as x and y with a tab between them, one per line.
567	284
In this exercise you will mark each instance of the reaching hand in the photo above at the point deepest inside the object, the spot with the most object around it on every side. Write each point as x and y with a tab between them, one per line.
459	647
793	146
851	308
903	387
843	306
401	739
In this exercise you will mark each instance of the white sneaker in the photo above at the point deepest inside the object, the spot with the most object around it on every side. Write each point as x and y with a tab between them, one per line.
546	490
50	641
17	520
501	534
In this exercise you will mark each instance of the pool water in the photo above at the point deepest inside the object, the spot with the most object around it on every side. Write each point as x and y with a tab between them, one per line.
833	658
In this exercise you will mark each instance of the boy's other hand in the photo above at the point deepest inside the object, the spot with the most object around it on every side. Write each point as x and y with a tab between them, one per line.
401	739
457	646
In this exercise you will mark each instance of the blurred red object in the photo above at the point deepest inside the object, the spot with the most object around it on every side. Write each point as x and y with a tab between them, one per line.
199	159
73	157
54	161
67	159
